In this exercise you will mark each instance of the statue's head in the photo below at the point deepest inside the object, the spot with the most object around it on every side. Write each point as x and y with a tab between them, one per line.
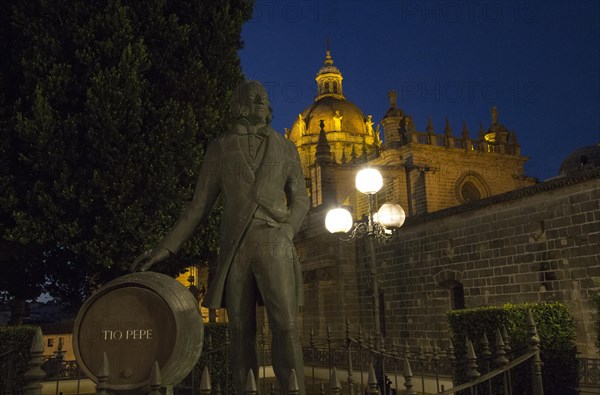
250	101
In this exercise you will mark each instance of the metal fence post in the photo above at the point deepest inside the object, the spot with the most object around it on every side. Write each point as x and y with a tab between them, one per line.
155	380
313	352
408	379
421	359
436	359
452	359
500	359
383	377
205	385
349	350
334	383
35	374
472	372
395	357
372	382
293	389
102	387
251	384
533	344
486	355
59	360
360	359
508	349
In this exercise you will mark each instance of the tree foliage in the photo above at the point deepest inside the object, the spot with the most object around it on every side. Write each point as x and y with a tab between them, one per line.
105	109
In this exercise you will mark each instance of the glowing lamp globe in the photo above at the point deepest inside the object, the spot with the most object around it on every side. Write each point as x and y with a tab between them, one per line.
338	220
391	216
369	181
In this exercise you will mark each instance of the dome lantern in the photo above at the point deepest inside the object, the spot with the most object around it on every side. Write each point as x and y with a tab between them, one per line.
329	79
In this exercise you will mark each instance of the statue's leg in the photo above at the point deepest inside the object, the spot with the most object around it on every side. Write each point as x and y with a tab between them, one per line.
275	278
240	299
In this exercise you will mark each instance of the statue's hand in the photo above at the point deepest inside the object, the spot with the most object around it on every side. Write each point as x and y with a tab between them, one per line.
145	261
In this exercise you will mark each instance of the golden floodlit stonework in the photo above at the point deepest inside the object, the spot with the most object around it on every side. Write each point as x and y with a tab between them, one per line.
426	171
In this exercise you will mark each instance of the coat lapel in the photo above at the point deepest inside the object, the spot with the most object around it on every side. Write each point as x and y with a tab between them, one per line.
236	157
271	158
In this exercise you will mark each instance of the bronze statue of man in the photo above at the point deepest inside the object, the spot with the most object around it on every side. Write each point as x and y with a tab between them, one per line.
258	174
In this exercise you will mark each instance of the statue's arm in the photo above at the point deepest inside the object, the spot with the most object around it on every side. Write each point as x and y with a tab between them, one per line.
206	192
297	197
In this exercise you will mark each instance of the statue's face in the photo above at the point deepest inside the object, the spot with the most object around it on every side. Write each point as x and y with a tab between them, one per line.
257	102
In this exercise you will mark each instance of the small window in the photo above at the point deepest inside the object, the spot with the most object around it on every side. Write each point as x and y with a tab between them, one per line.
457	295
50	342
335	87
469	192
326	87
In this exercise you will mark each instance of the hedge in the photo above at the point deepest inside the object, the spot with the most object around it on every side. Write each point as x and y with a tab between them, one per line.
556	331
15	344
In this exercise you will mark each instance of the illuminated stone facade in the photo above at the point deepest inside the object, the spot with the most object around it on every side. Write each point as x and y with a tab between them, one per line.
424	171
479	231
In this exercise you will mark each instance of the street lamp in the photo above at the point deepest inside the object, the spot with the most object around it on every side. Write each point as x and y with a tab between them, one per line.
379	225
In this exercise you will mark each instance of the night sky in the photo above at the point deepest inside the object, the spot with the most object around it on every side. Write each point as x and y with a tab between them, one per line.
537	61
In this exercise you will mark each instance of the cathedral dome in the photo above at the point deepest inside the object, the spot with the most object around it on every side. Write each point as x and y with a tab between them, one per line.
584	158
347	131
337	114
329	68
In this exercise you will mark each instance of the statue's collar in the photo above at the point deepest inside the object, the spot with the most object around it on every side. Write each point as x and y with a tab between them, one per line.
244	128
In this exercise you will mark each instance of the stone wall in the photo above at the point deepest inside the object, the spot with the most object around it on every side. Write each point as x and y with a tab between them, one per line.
539	243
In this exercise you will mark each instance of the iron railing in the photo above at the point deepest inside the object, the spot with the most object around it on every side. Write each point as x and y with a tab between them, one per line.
368	366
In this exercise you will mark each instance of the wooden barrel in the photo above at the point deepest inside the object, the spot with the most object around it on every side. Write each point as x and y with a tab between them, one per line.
138	319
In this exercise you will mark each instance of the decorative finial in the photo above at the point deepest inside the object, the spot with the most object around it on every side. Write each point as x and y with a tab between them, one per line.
429	127
323	151
328	59
494	115
447	128
411	124
393	96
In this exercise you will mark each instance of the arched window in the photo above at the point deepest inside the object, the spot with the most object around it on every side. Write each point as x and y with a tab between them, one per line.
457	297
327	87
457	293
335	87
469	192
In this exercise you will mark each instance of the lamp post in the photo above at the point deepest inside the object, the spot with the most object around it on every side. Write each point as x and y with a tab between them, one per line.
379	225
